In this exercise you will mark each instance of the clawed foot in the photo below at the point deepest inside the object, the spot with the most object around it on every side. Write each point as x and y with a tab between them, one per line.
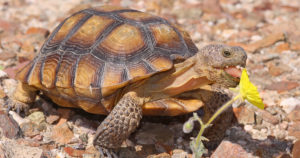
107	153
17	106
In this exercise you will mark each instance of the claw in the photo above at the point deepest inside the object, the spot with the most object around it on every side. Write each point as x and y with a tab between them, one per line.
17	106
18	110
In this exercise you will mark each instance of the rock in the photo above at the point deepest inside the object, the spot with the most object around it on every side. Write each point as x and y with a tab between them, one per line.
296	149
9	86
294	129
3	74
8	126
178	153
29	129
228	149
7	55
289	104
154	133
278	68
74	152
282	86
51	119
7	25
266	116
18	118
11	71
244	115
295	114
38	30
282	47
14	150
162	155
265	42
295	46
2	93
283	155
62	134
284	125
37	117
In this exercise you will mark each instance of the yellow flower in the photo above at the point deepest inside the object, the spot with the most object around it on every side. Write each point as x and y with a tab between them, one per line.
249	92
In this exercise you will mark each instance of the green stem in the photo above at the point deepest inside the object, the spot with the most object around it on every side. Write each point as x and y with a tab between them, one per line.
216	114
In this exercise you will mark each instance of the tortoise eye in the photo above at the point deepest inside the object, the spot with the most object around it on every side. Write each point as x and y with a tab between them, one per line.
226	53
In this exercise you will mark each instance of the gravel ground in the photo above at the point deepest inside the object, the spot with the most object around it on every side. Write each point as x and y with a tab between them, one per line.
267	29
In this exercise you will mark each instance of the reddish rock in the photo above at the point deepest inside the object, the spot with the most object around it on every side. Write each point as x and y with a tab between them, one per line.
294	129
212	7
2	94
162	155
267	116
180	153
74	152
228	149
11	72
29	129
7	55
51	119
6	25
282	86
62	134
38	30
266	42
26	56
296	149
244	115
274	70
283	155
9	126
295	46
282	47
295	114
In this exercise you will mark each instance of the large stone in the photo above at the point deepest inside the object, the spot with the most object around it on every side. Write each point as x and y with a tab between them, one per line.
244	115
295	114
13	150
282	86
62	134
296	149
37	117
9	126
228	149
294	129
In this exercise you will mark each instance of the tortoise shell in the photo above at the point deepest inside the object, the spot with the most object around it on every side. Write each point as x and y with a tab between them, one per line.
97	51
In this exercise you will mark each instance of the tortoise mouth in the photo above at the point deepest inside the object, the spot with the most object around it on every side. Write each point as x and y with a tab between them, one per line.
234	72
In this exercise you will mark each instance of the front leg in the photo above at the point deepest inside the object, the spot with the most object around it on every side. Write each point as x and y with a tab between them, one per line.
120	123
22	98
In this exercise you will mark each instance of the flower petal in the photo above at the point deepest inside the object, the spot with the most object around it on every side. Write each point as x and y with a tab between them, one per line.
249	91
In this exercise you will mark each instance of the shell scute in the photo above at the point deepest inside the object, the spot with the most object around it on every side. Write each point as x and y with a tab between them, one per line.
49	70
65	29
123	40
166	37
88	33
88	77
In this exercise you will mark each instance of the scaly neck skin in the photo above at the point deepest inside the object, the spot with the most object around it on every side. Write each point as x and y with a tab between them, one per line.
181	78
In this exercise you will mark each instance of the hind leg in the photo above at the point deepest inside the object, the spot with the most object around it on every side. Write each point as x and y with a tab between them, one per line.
23	97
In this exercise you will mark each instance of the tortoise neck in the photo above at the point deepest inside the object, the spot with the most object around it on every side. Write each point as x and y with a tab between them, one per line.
181	78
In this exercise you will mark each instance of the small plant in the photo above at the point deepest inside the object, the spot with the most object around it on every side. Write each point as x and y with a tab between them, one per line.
246	91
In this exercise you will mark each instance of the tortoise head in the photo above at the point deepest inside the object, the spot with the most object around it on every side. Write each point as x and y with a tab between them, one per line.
221	64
